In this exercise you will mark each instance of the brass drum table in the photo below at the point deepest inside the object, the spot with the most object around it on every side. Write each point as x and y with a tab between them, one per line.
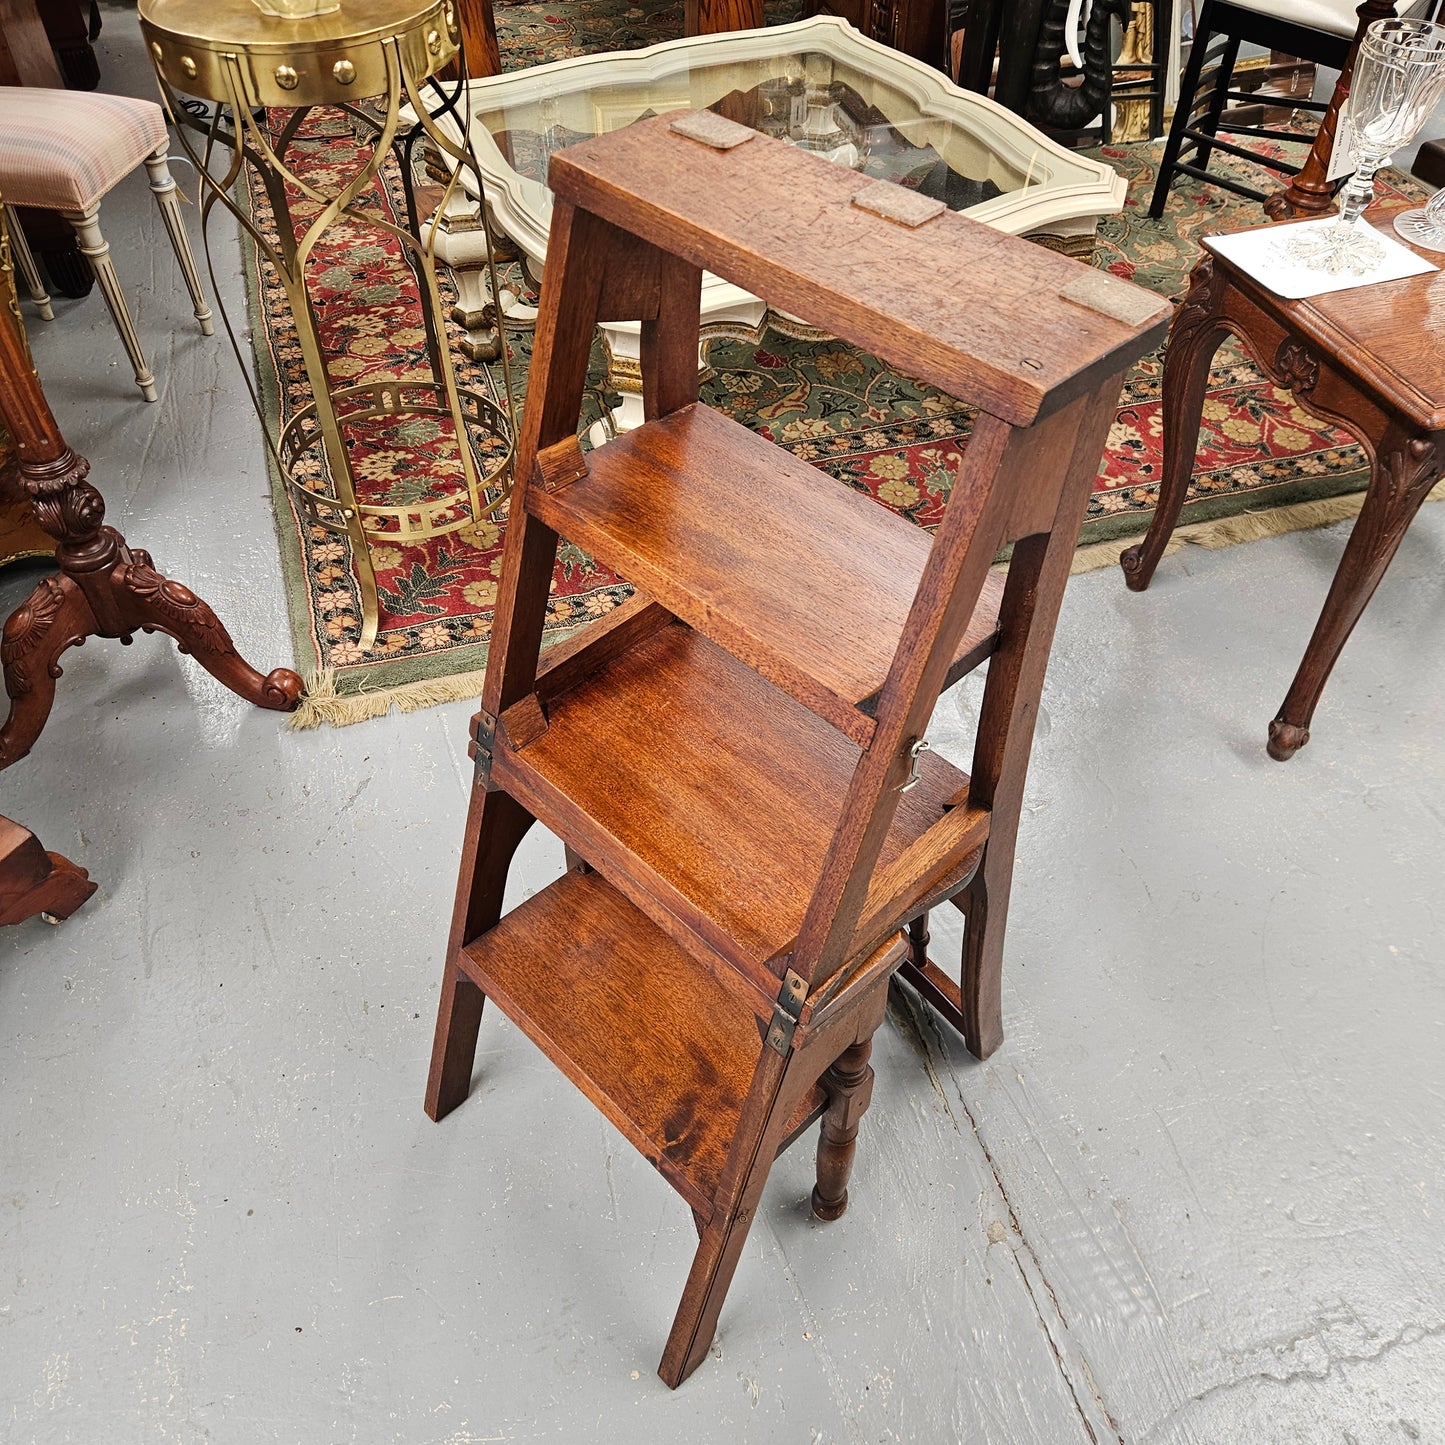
817	84
370	58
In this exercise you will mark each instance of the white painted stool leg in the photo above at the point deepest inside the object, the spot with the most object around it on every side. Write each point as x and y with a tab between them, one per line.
96	250
25	264
163	188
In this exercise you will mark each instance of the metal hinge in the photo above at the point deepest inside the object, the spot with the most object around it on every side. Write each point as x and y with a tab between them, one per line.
915	773
785	1013
484	732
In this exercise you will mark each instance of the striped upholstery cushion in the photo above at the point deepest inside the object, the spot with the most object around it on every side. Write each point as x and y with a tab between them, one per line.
60	150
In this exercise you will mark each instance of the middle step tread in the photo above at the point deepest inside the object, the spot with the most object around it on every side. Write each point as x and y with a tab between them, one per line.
792	571
708	796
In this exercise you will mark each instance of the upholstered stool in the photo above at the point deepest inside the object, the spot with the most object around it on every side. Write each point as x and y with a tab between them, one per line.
62	150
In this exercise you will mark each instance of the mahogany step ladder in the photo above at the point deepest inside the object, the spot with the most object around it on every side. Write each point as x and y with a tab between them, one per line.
735	759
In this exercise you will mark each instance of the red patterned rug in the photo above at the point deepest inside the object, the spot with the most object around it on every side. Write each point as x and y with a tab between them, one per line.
863	423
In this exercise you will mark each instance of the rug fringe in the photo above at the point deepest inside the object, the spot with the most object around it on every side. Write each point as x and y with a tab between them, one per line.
321	703
1244	527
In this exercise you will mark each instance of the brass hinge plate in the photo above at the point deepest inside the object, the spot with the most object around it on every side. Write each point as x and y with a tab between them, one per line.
785	1013
484	733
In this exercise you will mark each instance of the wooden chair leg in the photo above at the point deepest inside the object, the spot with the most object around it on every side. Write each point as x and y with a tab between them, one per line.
25	264
849	1083
163	188
96	250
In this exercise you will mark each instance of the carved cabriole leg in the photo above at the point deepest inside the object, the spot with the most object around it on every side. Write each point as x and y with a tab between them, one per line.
849	1083
96	250
1194	336
163	188
25	264
154	603
54	617
1406	467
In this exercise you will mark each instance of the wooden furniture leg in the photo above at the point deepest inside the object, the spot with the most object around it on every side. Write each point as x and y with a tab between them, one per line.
25	263
96	250
1194	337
849	1083
1405	469
33	881
105	588
163	188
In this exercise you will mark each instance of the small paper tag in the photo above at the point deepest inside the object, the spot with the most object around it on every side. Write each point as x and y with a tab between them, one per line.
1110	296
712	129
895	203
1342	157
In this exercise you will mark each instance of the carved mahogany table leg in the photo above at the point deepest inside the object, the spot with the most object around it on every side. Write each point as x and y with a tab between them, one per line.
849	1083
33	881
1405	470
105	588
1194	337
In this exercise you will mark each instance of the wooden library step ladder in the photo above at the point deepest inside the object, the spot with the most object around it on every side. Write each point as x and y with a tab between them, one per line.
735	760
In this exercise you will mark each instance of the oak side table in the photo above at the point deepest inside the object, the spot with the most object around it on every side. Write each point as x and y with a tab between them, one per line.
1370	360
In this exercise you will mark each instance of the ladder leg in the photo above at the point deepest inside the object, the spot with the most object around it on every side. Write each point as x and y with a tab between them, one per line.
496	824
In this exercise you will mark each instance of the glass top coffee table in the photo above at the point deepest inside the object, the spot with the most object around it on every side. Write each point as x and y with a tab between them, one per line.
818	84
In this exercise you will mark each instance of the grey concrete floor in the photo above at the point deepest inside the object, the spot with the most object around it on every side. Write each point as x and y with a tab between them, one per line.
1198	1196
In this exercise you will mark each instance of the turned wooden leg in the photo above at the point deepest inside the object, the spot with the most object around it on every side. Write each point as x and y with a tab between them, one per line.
1194	336
849	1083
154	603
96	250
163	188
25	264
55	616
918	940
33	881
1404	472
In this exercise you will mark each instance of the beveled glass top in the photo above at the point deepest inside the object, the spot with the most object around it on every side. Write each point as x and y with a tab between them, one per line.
817	84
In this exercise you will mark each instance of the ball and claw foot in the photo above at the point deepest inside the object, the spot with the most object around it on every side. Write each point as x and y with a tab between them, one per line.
1285	739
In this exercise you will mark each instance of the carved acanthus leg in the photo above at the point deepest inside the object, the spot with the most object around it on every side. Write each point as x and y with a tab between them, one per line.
55	616
849	1083
1194	336
1405	470
97	251
163	187
154	603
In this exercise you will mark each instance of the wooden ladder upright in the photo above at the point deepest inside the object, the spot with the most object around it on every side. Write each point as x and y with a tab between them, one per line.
735	758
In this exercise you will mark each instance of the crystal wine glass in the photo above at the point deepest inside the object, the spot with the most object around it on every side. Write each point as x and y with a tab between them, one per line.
1399	79
1425	225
